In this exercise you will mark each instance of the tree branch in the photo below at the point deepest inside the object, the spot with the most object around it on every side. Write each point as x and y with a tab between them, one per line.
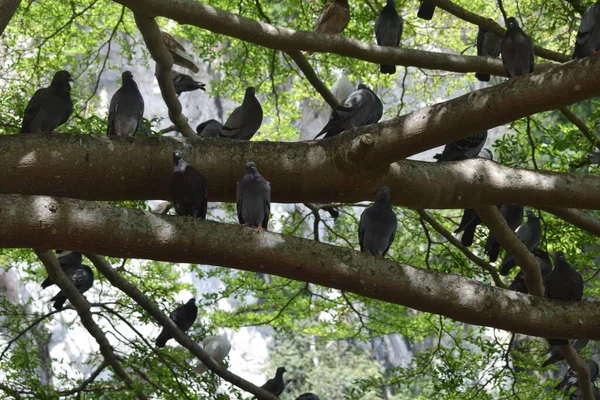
312	77
83	309
579	123
86	382
578	218
578	364
7	10
30	221
164	61
119	282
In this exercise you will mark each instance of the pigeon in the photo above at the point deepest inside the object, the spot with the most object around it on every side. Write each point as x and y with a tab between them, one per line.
342	88
530	234
253	198
307	396
184	317
82	277
388	30
245	120
564	283
426	10
185	83
570	378
464	148
361	108
488	44
517	50
334	17
588	36
542	257
49	107
180	56
275	385
210	128
576	395
468	224
67	260
513	214
188	188
126	108
218	347
377	225
486	154
556	356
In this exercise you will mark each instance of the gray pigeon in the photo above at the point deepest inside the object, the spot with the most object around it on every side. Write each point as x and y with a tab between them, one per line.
576	395
49	107
126	108
556	356
185	83
378	225
307	396
530	234
464	148
361	108
517	50
518	284
245	120
67	260
82	277
188	188
488	44
184	317
253	198
468	224
275	385
426	10
210	128
513	214
564	283
570	378
388	30
180	56
588	36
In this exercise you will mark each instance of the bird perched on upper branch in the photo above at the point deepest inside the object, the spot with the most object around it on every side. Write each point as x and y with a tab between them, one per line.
517	50
184	317
275	385
377	226
126	108
488	44
388	30
426	10
68	260
588	36
334	17
245	120
185	83
83	279
180	56
253	198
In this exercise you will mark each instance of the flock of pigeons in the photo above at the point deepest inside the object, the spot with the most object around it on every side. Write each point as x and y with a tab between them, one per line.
52	106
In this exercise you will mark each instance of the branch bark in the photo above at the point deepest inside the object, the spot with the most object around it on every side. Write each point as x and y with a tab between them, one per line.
7	10
578	218
83	310
312	77
30	221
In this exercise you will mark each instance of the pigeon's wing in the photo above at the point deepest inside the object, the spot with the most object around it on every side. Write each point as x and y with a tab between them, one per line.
239	203
333	18
234	123
588	22
267	205
33	106
361	229
480	37
426	10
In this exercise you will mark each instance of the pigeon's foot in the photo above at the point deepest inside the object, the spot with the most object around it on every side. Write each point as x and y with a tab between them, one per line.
378	257
260	228
595	52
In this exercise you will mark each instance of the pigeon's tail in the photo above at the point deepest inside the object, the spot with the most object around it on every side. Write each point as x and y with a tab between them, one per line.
387	69
468	235
59	301
426	11
554	358
482	77
332	211
162	339
518	285
506	266
47	282
493	250
558	342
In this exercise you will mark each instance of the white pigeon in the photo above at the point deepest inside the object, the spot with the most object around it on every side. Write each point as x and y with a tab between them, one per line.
342	87
218	347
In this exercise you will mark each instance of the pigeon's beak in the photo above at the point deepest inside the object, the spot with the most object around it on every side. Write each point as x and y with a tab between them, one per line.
71	79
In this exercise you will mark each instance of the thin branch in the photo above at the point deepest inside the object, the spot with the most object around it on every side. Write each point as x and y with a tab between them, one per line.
27	329
577	218
312	77
578	364
579	123
86	382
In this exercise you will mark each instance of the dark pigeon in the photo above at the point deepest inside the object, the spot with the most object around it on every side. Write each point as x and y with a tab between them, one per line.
388	31
555	355
185	83
463	149
468	224
426	10
576	395
82	277
570	378
245	120
126	108
588	36
513	215
253	198
517	50
518	284
378	225
188	188
184	317
67	260
564	283
49	107
361	108
210	128
530	234
488	44
275	385
307	396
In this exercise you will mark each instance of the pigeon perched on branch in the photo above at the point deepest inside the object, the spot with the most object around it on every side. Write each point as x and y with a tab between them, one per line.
517	50
126	108
388	30
245	120
378	225
49	107
67	260
556	356
275	385
210	128
426	10
185	83
82	278
464	148
253	198
588	36
188	188
334	17
488	44
184	317
513	214
518	284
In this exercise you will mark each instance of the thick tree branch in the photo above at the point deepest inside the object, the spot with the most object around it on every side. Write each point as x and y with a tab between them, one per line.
7	10
30	221
164	62
578	364
118	281
312	77
509	241
578	218
83	309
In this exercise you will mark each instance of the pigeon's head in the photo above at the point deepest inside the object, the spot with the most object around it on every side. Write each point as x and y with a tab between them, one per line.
512	23
192	301
250	91
361	86
62	78
383	194
541	254
559	256
346	72
177	156
251	168
531	214
280	371
127	76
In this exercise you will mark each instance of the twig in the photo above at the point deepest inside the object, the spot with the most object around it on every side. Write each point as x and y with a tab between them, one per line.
312	77
531	142
504	15
579	123
31	326
86	382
